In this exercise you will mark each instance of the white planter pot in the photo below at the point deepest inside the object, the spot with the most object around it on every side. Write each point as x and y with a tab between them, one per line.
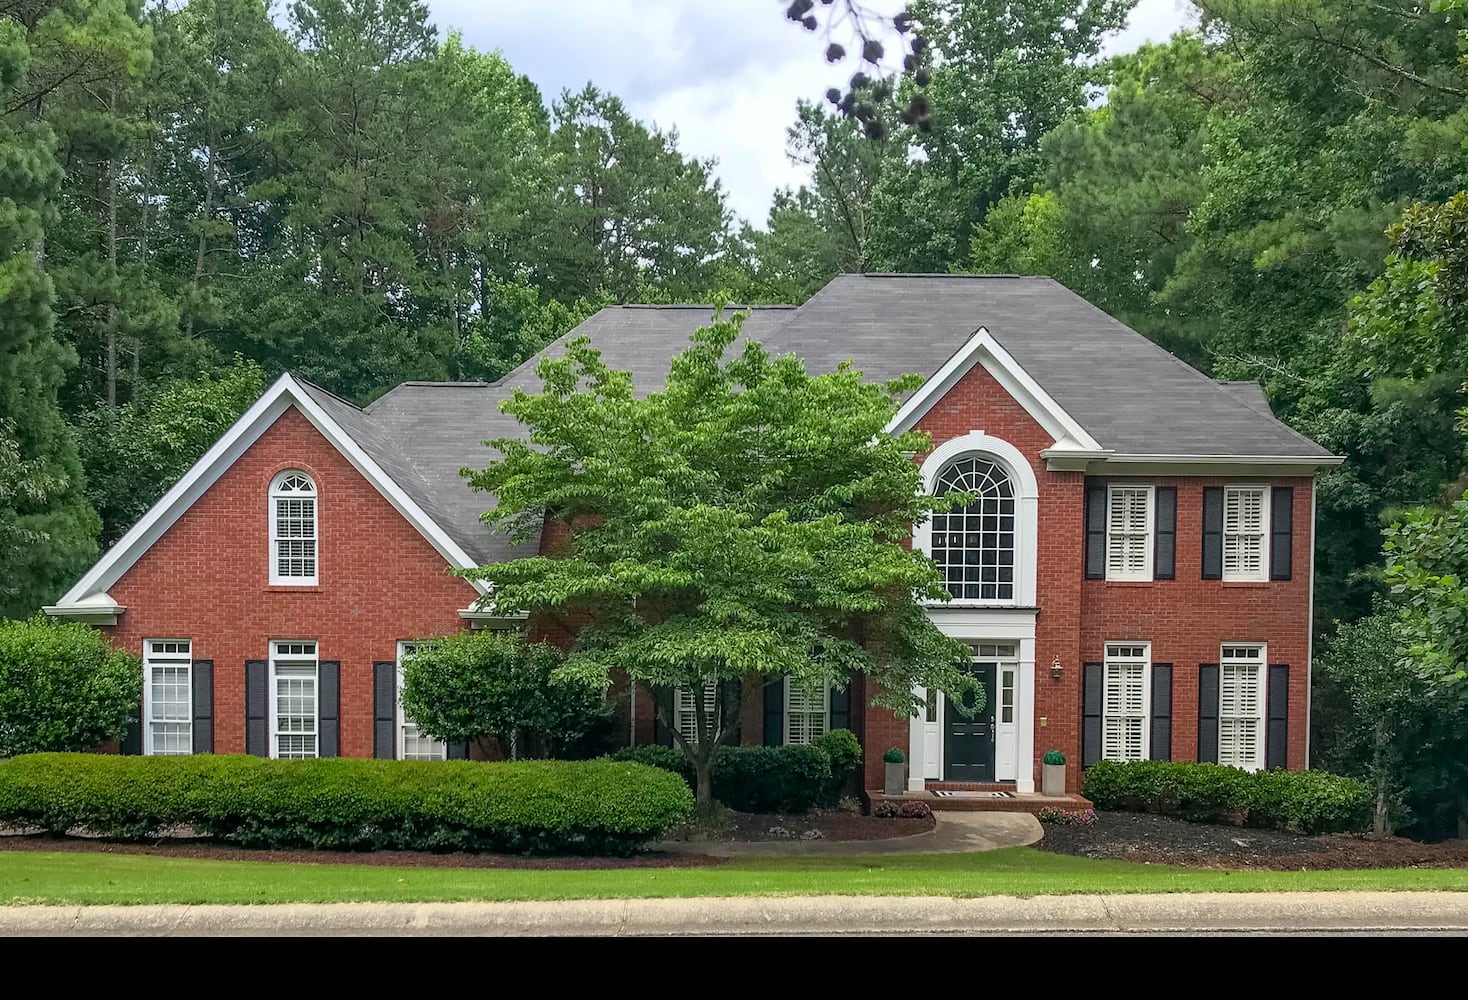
896	780
1054	779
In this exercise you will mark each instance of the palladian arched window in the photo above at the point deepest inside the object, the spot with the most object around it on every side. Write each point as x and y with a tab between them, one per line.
293	529
974	546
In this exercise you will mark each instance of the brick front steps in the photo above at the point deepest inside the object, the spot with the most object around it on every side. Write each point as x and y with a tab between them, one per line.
1030	802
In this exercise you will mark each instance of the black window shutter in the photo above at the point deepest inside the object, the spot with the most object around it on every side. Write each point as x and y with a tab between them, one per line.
203	682
662	733
1208	713
329	708
1092	676
775	713
840	709
1161	737
385	710
257	707
1164	548
131	743
1277	735
457	750
1281	532
1213	533
1095	529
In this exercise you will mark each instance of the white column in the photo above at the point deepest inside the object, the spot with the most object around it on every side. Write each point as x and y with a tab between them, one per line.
916	744
1025	728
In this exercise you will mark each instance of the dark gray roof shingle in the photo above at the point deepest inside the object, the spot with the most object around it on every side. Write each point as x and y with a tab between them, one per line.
1129	394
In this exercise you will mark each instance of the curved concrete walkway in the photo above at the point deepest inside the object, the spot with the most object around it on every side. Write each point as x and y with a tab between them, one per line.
956	832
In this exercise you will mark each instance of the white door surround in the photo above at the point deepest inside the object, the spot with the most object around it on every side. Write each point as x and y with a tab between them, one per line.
1014	750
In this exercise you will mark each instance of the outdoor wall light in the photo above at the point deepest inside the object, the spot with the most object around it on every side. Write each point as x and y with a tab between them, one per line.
1056	670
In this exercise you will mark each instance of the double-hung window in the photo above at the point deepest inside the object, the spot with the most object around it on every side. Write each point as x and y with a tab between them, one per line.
413	744
807	712
1124	701
293	700
685	716
168	703
1245	533
1241	706
293	556
1129	513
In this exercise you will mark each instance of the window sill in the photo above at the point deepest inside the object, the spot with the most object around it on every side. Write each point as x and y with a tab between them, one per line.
1130	583
293	588
1247	584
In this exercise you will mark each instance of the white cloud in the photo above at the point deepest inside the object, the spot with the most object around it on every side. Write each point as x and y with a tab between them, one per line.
726	74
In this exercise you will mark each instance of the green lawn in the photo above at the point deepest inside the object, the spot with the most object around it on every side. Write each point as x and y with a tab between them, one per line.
84	878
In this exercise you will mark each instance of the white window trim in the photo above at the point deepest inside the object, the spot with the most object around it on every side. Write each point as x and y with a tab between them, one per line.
187	662
977	444
275	660
825	713
1150	540
1106	662
1267	502
401	720
1261	695
276	580
680	714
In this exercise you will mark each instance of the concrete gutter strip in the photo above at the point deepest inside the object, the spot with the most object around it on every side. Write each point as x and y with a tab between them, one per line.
1180	913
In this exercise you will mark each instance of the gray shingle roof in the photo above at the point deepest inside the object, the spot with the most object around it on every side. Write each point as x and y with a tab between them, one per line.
1129	394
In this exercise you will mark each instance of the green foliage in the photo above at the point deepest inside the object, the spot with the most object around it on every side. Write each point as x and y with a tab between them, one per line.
1303	801
1054	757
572	807
752	778
1067	817
893	755
843	750
481	685
743	519
63	687
135	452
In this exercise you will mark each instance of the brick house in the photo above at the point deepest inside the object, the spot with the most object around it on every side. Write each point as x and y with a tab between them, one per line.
1135	581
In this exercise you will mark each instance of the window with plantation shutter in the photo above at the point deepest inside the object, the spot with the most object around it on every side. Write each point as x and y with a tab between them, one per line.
1124	702
1245	531
1241	706
293	700
806	711
293	530
685	716
1129	532
168	702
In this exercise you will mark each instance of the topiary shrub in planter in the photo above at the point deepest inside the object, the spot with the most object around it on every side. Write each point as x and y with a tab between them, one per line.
1052	780
1302	801
573	807
895	773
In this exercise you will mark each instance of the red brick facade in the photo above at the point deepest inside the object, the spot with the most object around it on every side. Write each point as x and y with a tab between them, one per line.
207	579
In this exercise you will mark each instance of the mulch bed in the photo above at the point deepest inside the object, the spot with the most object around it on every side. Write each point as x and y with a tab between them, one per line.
208	851
1166	841
818	825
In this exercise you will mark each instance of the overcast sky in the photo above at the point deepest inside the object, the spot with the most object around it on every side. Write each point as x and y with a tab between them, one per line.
724	73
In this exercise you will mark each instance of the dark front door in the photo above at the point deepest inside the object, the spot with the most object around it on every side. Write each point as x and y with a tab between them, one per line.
968	740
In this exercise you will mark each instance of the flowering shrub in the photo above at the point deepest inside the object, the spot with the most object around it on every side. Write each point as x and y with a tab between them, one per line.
886	809
1068	817
913	809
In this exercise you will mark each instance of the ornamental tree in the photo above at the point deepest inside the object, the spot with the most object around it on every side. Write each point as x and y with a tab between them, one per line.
745	520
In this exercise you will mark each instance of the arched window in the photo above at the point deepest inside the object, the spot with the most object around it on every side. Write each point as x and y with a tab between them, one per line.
974	546
293	529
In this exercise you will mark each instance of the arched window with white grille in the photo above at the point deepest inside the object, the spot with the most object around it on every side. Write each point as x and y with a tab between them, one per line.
974	546
293	510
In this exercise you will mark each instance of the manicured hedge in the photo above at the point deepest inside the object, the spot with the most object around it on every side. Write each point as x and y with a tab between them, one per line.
579	807
752	779
1303	801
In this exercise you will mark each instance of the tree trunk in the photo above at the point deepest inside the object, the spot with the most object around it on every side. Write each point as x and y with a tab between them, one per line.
1381	824
202	247
112	274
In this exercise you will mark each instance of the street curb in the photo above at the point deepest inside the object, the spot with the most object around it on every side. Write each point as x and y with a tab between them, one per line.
1179	913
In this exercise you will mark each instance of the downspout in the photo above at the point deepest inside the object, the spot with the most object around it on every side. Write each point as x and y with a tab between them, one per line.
1310	634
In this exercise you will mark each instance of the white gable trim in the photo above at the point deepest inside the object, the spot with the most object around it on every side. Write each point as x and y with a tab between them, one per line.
983	349
285	393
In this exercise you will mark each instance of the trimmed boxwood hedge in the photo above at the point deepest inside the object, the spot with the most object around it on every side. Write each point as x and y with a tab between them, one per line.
788	779
577	807
1302	801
